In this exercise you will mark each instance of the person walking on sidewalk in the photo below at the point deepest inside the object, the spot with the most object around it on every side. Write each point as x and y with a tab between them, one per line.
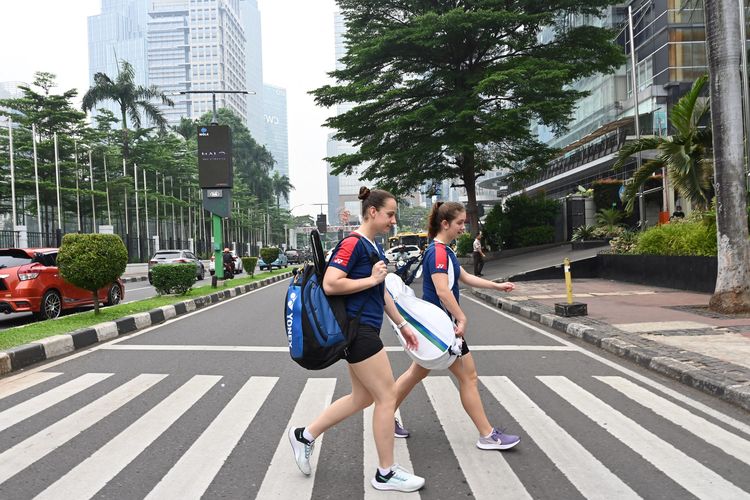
478	255
351	272
441	275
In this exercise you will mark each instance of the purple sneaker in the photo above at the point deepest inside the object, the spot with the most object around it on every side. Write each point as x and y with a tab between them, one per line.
399	431
498	440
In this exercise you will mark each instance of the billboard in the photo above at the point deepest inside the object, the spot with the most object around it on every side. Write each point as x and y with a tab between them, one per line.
214	156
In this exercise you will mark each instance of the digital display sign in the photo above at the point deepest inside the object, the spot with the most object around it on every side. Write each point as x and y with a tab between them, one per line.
214	156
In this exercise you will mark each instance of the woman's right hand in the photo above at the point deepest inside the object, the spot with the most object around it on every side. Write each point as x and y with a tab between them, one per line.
379	272
460	327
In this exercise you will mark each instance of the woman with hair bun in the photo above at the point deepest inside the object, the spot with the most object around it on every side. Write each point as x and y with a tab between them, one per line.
441	274
357	269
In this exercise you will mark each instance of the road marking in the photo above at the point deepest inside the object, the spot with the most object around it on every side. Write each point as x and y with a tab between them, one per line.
130	336
192	474
39	403
91	475
685	471
283	478
637	376
730	443
25	453
136	289
260	348
20	384
481	469
589	475
370	462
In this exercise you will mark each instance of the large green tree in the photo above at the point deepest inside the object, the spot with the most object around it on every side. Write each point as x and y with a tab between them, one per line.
732	293
132	99
686	154
447	89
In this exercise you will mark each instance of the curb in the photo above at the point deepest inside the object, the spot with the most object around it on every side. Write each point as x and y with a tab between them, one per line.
59	345
718	378
131	279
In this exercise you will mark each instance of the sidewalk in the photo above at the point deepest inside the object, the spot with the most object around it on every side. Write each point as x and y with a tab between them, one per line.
669	331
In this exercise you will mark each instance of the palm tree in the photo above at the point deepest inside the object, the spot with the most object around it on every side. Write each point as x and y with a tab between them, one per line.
131	98
281	187
732	292
685	155
186	128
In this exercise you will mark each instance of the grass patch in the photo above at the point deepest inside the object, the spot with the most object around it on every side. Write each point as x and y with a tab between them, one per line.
38	330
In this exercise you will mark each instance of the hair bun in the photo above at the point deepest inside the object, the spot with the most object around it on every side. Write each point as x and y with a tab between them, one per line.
364	192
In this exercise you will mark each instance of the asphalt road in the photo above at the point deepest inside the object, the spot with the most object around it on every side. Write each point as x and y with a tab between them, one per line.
199	406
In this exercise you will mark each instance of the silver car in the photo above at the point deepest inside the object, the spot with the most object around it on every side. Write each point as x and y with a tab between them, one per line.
176	257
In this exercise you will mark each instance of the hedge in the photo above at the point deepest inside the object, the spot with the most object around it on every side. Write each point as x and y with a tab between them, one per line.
173	278
248	264
269	254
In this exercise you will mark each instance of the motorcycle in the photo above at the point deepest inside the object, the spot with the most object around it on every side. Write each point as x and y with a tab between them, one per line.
403	268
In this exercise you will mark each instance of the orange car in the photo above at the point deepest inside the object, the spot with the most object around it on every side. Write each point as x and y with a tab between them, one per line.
31	282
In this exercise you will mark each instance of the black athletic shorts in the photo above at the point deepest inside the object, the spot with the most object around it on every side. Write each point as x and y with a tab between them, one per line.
464	348
366	343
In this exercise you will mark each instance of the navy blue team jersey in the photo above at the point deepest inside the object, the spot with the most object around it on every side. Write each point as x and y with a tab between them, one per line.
439	258
353	257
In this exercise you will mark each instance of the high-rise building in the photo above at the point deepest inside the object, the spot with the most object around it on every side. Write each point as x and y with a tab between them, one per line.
276	129
118	34
197	45
253	69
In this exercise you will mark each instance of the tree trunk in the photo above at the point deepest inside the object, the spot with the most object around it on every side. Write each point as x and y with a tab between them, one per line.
469	178
96	301
732	294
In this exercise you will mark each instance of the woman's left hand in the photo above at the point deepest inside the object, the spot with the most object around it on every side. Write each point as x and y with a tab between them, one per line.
409	337
506	286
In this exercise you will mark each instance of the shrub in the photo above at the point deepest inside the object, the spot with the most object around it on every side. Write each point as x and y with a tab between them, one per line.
510	226
625	243
269	254
678	238
248	264
173	278
535	235
464	244
582	233
92	261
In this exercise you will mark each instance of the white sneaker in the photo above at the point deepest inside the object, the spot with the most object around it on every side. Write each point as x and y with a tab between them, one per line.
302	449
399	479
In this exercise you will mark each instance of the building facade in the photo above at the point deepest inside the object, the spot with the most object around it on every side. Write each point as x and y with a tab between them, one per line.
253	69
276	129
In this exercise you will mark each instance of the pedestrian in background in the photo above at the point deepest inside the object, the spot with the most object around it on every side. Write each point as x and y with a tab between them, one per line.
478	255
352	272
440	276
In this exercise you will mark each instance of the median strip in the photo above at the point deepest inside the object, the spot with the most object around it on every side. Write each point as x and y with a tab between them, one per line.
36	342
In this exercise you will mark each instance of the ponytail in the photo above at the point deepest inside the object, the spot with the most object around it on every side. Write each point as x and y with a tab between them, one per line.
442	212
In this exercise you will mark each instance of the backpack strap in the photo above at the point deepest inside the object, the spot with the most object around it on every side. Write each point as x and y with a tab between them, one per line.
373	259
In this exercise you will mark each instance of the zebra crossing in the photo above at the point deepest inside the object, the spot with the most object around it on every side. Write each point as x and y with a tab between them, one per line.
546	410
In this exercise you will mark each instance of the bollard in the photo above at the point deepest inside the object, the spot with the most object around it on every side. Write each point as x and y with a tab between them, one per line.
570	308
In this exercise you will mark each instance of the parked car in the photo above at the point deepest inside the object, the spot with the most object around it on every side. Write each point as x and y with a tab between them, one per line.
408	251
177	257
280	262
30	282
237	264
293	256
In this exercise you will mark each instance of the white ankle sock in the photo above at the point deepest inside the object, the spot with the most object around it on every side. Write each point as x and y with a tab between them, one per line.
307	435
384	472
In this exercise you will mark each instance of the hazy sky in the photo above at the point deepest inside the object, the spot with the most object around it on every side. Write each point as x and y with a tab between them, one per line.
298	50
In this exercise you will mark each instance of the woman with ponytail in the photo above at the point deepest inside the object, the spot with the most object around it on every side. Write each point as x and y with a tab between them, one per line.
441	274
357	269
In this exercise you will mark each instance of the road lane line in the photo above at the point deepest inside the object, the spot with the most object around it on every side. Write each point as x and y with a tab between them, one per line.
480	468
91	475
729	443
130	336
685	471
283	478
251	348
25	453
39	403
194	471
592	478
14	386
370	462
741	426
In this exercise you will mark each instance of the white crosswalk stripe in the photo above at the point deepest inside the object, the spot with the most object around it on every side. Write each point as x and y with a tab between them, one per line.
39	445
705	430
92	474
194	472
588	474
685	471
488	474
283	479
21	383
480	468
400	456
32	406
